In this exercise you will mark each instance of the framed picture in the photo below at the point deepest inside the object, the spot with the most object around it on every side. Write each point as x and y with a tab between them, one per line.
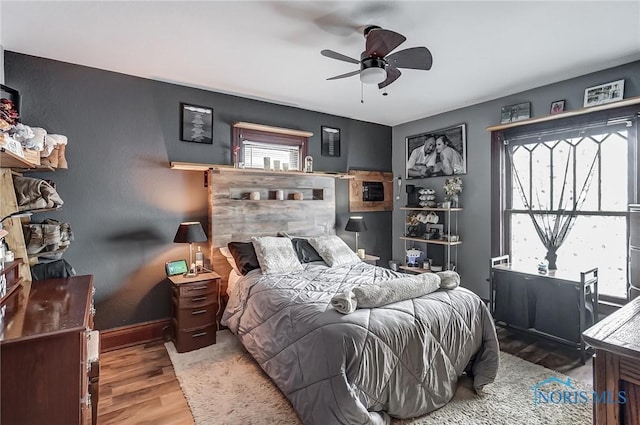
513	113
330	138
196	123
13	95
440	152
557	107
604	93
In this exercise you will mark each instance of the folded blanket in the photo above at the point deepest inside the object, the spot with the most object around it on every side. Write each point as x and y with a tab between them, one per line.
393	290
344	302
36	142
385	292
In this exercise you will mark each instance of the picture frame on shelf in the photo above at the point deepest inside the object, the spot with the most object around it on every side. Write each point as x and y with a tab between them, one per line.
517	112
330	141
13	95
196	123
556	107
441	152
604	93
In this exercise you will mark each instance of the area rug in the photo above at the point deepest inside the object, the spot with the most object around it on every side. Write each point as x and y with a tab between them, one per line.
225	386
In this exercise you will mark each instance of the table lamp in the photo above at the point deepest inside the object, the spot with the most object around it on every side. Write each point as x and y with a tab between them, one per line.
356	224
190	232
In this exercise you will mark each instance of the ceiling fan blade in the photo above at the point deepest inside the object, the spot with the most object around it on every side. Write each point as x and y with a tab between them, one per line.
381	42
392	75
348	74
335	55
412	58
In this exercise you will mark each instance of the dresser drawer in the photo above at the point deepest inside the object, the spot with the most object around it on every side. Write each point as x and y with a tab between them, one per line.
197	301
195	338
199	288
196	317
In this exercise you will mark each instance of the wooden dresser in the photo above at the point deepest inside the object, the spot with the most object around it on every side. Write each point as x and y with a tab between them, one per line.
616	366
43	353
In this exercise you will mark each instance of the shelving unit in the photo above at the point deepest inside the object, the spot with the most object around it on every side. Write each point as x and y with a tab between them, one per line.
12	164
449	215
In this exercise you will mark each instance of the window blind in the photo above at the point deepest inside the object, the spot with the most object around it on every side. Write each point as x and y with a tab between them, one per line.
255	152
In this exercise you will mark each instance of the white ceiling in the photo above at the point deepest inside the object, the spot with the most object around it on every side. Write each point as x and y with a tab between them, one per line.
271	50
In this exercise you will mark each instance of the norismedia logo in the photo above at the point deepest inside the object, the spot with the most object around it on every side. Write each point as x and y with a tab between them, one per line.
570	395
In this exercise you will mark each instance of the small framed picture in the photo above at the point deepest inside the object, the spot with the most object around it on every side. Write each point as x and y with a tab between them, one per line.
196	123
14	96
557	107
330	138
513	113
604	93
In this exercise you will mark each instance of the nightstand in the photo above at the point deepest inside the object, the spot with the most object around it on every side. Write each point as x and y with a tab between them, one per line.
371	259
195	304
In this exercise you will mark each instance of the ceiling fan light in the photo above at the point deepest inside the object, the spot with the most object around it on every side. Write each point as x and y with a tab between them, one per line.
373	75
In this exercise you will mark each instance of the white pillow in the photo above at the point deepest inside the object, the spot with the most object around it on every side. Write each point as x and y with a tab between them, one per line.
334	251
276	255
232	262
232	281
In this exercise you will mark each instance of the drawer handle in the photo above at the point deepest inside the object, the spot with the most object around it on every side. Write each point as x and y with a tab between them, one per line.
199	334
195	313
196	288
195	299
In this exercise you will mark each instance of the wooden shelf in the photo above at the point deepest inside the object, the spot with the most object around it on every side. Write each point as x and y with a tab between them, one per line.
193	166
429	209
582	111
415	269
431	241
268	128
11	160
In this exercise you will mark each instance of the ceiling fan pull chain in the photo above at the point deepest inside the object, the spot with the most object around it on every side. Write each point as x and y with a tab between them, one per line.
361	92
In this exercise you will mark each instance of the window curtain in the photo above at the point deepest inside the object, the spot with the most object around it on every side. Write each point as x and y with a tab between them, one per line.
554	223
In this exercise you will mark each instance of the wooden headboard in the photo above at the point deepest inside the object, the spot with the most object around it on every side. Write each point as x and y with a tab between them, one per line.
234	217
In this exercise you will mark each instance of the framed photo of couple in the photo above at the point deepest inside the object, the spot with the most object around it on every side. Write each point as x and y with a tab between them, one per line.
441	152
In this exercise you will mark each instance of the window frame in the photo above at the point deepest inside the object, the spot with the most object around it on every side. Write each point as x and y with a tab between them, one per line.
501	193
275	137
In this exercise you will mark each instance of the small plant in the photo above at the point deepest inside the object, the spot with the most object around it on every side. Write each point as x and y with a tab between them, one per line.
453	185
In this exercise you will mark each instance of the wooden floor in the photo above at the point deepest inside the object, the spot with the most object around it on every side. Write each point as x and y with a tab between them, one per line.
138	385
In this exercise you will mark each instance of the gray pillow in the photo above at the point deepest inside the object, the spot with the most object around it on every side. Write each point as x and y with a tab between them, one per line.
276	255
334	251
449	279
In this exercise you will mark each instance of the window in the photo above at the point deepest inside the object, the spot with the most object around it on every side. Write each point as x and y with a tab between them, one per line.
255	152
545	170
254	143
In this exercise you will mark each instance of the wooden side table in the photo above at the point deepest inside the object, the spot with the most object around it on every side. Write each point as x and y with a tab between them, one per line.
616	366
371	259
195	306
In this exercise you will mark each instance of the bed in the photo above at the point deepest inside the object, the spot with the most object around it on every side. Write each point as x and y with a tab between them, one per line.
400	360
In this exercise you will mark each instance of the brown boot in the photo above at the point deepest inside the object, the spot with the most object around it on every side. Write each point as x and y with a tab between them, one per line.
62	161
52	159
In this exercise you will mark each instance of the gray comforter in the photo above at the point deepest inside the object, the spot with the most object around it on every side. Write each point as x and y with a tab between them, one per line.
402	360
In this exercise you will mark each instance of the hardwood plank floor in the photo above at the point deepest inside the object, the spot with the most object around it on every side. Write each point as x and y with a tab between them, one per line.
139	387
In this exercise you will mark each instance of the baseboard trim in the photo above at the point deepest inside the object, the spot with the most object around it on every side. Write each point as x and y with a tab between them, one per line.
140	333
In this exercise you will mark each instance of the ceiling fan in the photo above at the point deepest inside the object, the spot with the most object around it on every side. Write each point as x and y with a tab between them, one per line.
378	68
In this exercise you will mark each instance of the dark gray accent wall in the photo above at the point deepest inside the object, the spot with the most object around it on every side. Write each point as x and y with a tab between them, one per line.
475	220
123	202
